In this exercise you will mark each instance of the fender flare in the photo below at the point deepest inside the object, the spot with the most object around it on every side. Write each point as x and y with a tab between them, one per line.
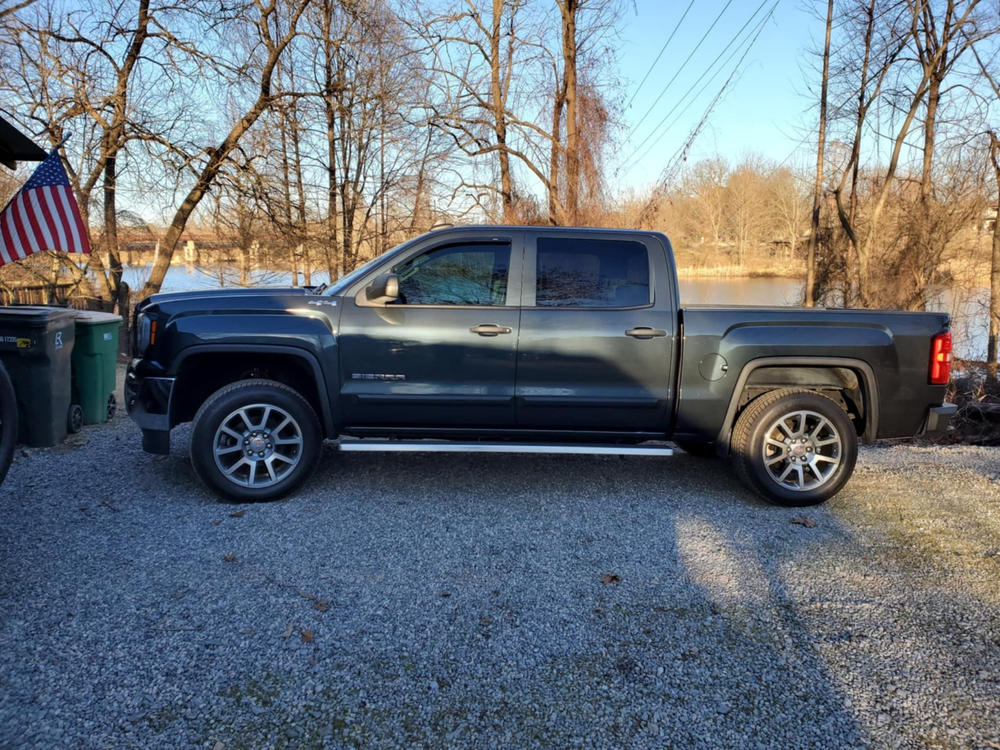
326	416
869	388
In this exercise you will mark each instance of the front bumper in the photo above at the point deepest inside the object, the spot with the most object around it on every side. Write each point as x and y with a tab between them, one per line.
147	401
939	419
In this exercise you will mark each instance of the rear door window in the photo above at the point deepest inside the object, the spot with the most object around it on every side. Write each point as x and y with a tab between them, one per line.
572	272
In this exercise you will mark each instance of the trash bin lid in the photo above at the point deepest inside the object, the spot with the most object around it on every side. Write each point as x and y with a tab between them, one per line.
94	317
34	314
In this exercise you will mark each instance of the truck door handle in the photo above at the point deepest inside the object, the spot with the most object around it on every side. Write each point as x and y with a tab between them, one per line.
645	332
489	329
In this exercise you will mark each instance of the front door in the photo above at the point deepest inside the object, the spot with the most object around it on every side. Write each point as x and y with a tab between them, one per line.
443	354
597	334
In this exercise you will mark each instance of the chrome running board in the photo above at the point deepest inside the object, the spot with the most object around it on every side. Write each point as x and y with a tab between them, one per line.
429	446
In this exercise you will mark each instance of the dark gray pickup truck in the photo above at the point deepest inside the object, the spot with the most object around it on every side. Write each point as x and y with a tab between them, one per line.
527	339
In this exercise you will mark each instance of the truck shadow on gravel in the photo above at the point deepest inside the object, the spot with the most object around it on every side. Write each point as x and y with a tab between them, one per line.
476	600
560	600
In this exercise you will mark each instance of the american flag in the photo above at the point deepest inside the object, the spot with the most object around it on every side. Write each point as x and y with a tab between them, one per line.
43	216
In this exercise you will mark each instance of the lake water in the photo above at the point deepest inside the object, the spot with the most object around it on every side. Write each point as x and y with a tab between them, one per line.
969	309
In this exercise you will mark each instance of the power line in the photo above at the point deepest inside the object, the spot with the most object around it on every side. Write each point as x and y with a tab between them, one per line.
681	154
683	65
707	70
660	54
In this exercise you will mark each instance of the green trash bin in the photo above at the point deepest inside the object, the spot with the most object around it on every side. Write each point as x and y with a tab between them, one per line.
95	355
36	346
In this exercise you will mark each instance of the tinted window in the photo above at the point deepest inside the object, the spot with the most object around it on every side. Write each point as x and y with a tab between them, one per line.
591	273
467	274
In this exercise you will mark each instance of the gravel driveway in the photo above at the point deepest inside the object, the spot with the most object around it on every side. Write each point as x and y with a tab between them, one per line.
497	601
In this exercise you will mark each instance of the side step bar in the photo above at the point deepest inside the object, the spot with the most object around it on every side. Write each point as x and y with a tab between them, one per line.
427	446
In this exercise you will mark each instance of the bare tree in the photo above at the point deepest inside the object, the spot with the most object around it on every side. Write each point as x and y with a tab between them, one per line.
820	158
273	26
80	69
788	202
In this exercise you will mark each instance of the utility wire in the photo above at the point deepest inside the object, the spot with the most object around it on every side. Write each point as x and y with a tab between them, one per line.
707	70
683	65
681	154
658	56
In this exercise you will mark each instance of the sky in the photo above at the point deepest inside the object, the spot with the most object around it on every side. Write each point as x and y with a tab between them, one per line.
766	109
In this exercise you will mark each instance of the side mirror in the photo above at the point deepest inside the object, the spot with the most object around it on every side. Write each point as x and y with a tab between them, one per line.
385	288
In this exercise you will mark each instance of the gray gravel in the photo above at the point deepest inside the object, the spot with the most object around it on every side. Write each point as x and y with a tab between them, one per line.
458	601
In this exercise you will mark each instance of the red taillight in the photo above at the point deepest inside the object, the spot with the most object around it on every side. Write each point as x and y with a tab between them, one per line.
941	359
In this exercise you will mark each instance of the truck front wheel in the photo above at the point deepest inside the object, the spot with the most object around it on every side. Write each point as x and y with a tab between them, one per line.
794	447
255	440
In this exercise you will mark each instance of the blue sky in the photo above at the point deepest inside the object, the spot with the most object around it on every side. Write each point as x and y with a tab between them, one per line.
766	110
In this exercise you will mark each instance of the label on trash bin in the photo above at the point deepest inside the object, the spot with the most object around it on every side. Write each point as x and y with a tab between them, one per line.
19	341
107	336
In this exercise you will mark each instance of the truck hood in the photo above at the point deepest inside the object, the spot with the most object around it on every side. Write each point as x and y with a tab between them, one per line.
222	299
237	291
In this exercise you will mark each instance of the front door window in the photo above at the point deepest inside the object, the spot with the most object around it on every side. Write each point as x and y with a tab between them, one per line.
464	274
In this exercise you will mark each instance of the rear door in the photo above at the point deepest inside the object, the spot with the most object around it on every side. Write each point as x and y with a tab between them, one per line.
443	355
597	333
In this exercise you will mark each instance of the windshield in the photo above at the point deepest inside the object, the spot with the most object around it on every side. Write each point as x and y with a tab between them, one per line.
341	285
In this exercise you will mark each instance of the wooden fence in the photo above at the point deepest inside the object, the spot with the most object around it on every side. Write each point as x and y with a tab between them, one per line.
37	294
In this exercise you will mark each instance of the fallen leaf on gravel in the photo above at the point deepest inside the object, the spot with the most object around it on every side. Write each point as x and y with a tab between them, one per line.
803	521
607	578
238	514
289	629
229	557
307	636
322	605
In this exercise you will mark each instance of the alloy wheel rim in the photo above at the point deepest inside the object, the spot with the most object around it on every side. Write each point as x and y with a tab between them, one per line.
257	445
802	450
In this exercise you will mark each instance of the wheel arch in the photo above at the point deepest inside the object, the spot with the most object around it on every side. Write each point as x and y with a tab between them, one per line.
854	379
202	370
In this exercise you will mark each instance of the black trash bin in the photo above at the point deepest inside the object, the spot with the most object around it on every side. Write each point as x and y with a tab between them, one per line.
8	421
36	347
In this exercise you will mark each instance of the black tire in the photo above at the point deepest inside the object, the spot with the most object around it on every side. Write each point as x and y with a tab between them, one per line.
701	450
8	422
794	447
255	440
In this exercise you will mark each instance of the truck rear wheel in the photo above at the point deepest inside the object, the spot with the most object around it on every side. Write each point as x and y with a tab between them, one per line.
794	447
8	422
255	440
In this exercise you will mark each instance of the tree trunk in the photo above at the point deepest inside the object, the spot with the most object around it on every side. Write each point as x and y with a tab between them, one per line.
111	232
556	216
994	332
572	205
499	102
820	155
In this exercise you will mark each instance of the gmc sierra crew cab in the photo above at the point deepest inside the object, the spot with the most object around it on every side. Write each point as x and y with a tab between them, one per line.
527	339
